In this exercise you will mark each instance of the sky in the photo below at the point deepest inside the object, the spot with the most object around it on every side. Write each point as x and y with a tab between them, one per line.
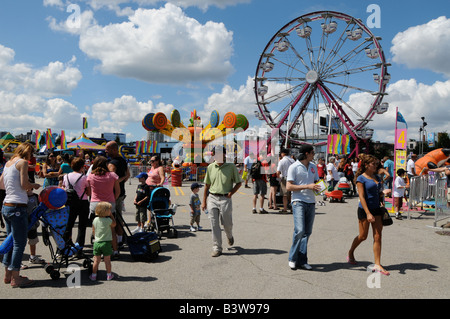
116	61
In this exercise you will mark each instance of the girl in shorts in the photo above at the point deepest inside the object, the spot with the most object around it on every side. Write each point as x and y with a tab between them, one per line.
370	190
102	227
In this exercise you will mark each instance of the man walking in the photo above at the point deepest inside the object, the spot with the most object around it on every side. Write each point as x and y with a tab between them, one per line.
118	165
282	170
222	180
301	178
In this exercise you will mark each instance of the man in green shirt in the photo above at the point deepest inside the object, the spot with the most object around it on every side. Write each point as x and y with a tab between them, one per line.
222	180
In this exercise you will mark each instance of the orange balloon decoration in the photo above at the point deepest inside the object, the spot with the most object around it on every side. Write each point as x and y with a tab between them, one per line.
229	120
160	121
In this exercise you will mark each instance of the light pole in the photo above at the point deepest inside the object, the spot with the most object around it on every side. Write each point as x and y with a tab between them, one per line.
422	134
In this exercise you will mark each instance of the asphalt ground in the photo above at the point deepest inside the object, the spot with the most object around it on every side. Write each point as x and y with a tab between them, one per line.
256	266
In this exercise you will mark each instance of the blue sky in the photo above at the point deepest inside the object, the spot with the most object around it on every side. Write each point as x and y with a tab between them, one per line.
127	58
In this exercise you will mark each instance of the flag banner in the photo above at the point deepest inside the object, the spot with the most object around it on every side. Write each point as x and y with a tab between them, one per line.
63	140
38	139
85	123
400	118
339	144
49	139
138	147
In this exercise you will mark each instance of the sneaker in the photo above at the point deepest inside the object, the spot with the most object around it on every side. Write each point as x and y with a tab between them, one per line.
136	230
36	260
192	228
216	253
292	265
231	241
306	267
398	216
254	211
115	255
199	228
109	276
93	277
263	211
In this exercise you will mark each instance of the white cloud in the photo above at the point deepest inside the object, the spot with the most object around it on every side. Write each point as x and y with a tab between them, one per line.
424	46
116	115
161	46
52	80
115	5
414	100
28	94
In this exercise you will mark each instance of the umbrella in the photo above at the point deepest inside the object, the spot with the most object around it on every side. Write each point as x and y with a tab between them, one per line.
84	143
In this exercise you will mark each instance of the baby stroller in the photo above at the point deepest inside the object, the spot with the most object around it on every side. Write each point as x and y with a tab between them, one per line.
54	216
161	213
144	246
54	224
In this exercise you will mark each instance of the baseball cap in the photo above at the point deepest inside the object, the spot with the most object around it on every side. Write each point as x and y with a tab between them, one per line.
196	185
142	175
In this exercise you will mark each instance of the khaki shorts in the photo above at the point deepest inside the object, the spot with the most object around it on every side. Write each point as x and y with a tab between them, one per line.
283	190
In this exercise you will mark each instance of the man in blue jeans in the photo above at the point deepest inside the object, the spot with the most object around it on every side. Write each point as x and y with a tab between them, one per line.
301	179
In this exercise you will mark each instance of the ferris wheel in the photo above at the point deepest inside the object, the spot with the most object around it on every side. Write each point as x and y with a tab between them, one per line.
322	73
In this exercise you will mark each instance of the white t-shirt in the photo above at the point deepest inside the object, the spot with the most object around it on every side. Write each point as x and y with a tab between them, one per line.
284	164
399	192
410	167
334	172
354	167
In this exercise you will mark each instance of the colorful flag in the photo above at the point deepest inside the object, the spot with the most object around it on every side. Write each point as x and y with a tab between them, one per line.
400	118
339	144
49	139
85	123
63	140
138	147
38	139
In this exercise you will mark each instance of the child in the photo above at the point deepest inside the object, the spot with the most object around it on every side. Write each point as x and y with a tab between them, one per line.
399	192
141	202
102	229
195	206
33	202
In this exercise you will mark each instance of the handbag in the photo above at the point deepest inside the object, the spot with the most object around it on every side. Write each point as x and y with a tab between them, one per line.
387	220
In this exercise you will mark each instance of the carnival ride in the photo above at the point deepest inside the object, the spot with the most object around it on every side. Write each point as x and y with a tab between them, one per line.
196	137
311	70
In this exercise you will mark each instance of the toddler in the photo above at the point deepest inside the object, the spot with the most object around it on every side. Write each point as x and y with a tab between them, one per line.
102	226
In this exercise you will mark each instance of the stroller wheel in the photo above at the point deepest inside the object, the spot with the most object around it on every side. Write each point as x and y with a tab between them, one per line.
172	233
55	274
49	268
86	263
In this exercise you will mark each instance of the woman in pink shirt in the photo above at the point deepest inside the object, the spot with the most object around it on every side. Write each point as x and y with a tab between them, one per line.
156	173
104	187
104	184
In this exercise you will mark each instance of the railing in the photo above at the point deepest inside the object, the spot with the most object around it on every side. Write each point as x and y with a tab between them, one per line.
429	188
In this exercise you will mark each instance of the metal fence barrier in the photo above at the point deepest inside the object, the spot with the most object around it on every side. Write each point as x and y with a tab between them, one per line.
442	209
429	188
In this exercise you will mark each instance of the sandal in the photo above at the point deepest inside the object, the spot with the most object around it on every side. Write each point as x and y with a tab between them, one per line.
22	282
351	261
381	271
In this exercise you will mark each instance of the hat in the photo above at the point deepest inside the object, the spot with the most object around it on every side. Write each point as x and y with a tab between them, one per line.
142	175
196	185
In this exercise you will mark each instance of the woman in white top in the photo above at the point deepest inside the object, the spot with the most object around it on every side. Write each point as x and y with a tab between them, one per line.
332	173
15	182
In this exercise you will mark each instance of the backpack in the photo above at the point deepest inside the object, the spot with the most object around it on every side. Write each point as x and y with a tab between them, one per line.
255	171
72	196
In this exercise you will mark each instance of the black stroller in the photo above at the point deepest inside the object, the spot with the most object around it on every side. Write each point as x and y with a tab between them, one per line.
161	213
143	246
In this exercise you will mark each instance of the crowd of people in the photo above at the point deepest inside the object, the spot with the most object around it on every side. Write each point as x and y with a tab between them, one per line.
99	186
